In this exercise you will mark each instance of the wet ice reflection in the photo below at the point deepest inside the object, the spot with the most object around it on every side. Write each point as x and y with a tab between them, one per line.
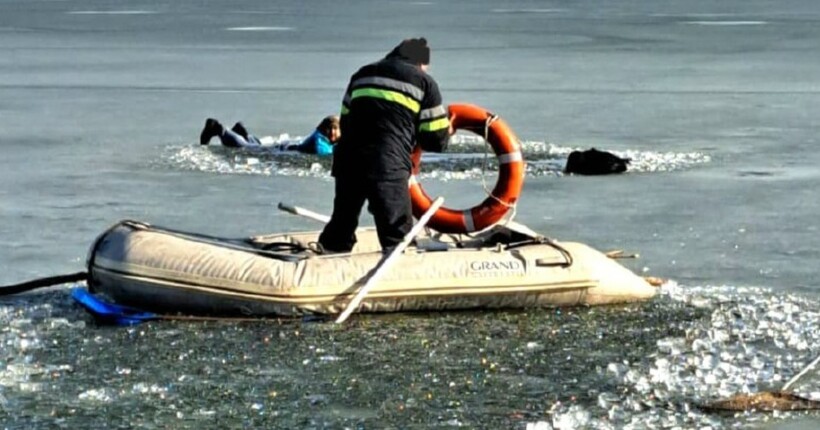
558	367
28	325
753	341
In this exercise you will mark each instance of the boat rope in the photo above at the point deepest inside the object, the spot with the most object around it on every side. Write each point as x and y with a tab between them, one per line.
283	247
9	290
487	123
568	260
244	244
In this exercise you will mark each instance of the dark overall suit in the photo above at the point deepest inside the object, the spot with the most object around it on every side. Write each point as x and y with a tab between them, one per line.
389	106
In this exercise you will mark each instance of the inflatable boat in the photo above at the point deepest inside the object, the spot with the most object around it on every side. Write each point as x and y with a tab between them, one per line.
163	270
466	259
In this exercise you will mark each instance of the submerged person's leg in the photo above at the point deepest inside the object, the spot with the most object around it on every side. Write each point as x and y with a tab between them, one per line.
233	139
212	128
230	138
240	129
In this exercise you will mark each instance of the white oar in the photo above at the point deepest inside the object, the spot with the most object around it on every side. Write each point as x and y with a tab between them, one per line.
385	262
800	375
296	210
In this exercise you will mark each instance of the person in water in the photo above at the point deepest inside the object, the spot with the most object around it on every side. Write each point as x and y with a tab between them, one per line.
389	107
320	142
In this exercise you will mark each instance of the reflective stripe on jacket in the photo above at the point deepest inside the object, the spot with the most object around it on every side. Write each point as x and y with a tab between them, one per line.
388	107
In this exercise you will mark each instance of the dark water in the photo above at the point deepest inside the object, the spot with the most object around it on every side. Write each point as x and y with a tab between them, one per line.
101	104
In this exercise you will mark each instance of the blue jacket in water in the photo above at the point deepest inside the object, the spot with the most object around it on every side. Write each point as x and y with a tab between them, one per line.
317	143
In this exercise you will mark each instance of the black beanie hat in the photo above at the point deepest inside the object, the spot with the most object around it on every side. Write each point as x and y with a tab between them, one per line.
413	50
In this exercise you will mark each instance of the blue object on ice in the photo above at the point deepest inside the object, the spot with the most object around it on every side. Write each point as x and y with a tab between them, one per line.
109	312
112	313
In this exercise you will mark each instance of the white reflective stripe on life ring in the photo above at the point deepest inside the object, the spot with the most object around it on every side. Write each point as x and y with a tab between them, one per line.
512	157
468	220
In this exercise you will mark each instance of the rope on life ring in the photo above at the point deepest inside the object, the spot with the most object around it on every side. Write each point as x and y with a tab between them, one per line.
504	195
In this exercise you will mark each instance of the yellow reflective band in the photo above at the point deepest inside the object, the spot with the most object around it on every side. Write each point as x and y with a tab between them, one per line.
391	96
436	125
345	109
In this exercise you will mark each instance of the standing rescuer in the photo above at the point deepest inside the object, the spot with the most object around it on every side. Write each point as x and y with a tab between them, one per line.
389	107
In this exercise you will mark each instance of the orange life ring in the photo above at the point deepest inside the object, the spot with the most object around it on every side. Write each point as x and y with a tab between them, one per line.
511	170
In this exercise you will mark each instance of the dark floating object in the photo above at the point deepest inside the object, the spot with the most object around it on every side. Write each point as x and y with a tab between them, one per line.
595	162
